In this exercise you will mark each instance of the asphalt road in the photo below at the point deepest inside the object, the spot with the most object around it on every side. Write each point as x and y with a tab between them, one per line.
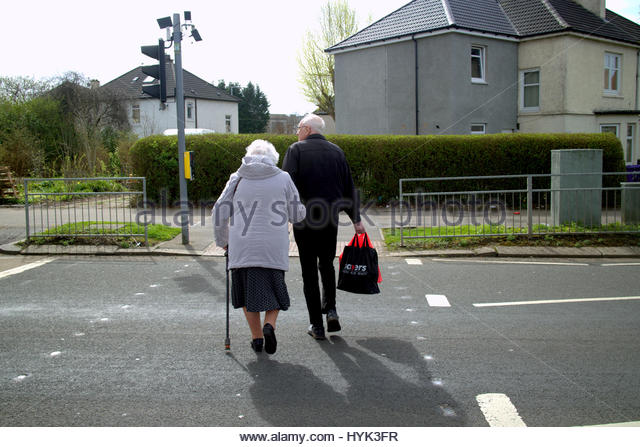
140	342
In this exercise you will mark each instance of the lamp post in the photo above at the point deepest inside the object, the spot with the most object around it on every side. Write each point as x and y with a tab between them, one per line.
176	38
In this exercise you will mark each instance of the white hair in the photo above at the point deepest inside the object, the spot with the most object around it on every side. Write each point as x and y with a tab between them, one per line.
315	123
263	147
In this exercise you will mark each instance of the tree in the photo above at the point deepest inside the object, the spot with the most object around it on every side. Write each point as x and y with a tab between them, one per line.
253	109
316	68
90	111
20	89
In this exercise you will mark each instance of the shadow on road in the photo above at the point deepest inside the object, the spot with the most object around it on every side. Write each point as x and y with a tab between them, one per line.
214	282
286	394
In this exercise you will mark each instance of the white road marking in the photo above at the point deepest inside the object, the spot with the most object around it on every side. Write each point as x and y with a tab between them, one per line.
621	264
620	424
569	300
511	262
414	261
437	301
23	268
499	411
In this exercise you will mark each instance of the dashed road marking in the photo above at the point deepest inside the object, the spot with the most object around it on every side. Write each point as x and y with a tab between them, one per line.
581	264
23	268
619	424
621	264
414	261
499	411
437	301
569	300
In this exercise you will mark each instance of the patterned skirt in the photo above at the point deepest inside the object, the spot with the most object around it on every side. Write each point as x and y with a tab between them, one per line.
259	289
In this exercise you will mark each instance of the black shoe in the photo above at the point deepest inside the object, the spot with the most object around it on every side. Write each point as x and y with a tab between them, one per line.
270	343
256	344
333	321
316	332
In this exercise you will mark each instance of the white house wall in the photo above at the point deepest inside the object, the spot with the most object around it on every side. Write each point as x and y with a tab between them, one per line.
207	114
211	115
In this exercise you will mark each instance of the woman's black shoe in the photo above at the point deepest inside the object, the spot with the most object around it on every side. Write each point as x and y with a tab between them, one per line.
257	344
270	343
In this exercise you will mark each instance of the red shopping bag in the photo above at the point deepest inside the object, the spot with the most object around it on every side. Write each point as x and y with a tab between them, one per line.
359	269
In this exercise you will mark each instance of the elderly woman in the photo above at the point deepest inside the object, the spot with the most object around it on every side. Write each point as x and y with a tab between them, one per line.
251	218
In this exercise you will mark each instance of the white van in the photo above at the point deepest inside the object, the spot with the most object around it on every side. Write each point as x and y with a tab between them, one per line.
191	131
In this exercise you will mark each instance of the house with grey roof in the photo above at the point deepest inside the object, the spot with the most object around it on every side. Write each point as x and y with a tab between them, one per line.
490	66
206	106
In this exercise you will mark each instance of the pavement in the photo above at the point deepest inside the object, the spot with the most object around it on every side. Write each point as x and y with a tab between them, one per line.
201	243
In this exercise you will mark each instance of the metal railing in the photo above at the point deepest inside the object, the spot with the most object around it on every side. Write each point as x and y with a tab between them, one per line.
536	204
71	211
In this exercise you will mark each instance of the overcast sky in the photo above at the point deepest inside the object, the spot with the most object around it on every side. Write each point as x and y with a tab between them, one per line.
243	40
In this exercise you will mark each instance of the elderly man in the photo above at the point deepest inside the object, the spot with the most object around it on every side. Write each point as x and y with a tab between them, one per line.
320	171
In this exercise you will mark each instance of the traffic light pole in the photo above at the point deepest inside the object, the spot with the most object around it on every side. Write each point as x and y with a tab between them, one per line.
184	201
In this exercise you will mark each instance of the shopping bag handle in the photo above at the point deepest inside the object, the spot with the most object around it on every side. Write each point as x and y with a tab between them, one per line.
355	241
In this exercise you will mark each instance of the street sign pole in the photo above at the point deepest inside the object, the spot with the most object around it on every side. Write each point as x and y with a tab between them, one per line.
184	204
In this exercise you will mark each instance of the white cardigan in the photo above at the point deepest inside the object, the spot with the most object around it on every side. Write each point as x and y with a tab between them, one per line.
252	214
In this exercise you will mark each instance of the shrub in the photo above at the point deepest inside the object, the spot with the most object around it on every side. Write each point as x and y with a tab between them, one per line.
377	162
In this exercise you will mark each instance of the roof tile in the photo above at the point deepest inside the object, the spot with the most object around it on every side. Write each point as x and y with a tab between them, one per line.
518	18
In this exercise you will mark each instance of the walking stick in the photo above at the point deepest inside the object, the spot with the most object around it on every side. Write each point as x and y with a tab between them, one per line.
227	340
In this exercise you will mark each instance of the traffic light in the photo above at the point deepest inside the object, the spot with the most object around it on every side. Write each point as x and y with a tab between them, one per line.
156	90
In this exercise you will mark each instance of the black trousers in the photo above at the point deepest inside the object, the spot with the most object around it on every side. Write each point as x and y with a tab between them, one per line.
317	248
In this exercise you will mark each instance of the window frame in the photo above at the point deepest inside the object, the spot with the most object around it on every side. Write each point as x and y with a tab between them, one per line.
189	111
483	64
614	125
607	75
484	129
135	117
630	143
523	86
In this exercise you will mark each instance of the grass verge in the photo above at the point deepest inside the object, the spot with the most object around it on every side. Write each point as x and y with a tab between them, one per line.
104	233
450	237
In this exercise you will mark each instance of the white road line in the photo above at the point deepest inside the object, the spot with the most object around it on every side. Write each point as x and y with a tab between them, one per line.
570	300
621	264
438	301
499	411
620	424
23	268
413	261
511	262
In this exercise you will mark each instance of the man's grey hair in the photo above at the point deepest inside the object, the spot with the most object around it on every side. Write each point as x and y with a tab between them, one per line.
315	123
263	147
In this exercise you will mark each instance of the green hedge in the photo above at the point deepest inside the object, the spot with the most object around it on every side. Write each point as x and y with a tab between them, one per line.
377	162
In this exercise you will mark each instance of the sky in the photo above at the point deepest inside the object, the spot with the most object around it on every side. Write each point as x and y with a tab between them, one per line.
243	40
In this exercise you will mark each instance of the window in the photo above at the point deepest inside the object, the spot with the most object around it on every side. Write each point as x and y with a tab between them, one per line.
611	73
189	111
227	123
135	113
530	90
478	129
610	128
477	64
629	144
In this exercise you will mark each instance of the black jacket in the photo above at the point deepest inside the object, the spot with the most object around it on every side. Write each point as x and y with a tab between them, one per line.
322	175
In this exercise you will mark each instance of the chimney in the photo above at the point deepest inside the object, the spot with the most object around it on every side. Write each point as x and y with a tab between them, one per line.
597	7
94	84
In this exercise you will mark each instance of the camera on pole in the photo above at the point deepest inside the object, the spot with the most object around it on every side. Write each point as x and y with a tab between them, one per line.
157	89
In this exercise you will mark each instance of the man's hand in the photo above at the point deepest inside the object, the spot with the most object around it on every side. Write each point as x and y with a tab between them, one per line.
359	227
